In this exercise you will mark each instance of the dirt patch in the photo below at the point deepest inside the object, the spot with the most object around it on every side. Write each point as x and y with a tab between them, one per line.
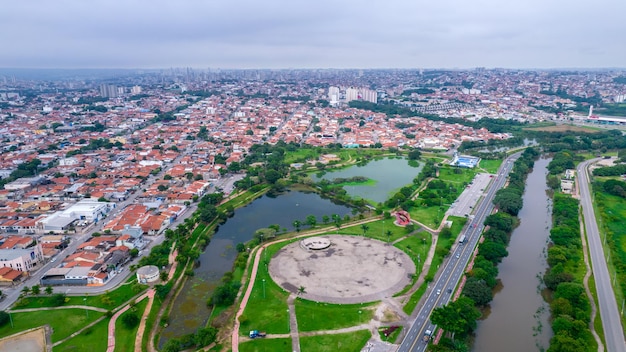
389	316
353	269
33	340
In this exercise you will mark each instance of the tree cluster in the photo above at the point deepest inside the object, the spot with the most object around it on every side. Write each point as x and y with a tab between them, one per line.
616	170
561	161
203	337
509	199
27	169
577	141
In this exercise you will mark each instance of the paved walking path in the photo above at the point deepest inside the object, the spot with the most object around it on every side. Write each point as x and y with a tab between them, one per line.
293	323
256	255
111	340
142	323
55	308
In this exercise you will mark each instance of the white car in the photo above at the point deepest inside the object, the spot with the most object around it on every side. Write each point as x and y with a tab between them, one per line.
438	292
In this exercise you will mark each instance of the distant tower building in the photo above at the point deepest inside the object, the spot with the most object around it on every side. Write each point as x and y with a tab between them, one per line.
368	95
333	95
108	90
352	94
590	110
135	90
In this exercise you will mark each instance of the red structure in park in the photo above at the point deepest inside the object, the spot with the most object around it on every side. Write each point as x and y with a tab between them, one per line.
402	218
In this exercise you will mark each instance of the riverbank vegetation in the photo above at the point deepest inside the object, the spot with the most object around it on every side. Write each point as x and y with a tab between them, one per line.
569	305
458	318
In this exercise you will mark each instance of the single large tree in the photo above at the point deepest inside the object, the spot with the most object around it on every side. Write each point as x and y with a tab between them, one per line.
297	224
311	220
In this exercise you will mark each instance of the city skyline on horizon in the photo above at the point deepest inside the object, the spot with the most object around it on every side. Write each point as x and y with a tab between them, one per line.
278	34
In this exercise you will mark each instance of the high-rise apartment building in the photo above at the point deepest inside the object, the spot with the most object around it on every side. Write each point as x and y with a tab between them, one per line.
108	90
352	94
333	95
368	95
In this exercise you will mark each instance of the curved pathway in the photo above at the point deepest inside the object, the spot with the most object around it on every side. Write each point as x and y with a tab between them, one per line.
111	339
255	267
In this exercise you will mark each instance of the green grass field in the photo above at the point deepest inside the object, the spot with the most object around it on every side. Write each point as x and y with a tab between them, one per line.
314	316
376	229
458	222
491	166
415	298
267	307
109	300
301	155
332	343
458	176
429	216
64	322
124	337
416	245
612	210
93	339
266	345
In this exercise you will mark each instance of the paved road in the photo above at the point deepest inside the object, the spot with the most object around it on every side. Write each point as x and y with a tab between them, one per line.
440	292
611	322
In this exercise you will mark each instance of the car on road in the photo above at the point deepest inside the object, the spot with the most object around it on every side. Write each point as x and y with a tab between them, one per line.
438	292
458	256
449	290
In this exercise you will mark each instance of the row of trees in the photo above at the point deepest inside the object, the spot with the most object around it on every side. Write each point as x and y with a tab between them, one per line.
577	141
458	318
570	307
509	199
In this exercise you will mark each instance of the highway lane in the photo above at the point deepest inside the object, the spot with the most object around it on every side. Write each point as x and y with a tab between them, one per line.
439	293
609	312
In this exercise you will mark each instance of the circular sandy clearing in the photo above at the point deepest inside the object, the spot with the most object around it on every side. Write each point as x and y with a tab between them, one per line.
353	269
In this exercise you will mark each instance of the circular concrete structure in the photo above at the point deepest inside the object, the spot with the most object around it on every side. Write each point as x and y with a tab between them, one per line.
316	243
147	274
353	269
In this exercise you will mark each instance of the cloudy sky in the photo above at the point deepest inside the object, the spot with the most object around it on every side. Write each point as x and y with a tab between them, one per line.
312	34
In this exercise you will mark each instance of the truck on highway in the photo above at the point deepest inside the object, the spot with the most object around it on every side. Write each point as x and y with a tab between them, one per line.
462	239
427	335
257	333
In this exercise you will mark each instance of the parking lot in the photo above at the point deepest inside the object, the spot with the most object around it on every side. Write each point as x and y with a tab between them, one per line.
464	205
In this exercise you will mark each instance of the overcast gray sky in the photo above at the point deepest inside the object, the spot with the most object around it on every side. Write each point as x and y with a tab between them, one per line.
312	34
